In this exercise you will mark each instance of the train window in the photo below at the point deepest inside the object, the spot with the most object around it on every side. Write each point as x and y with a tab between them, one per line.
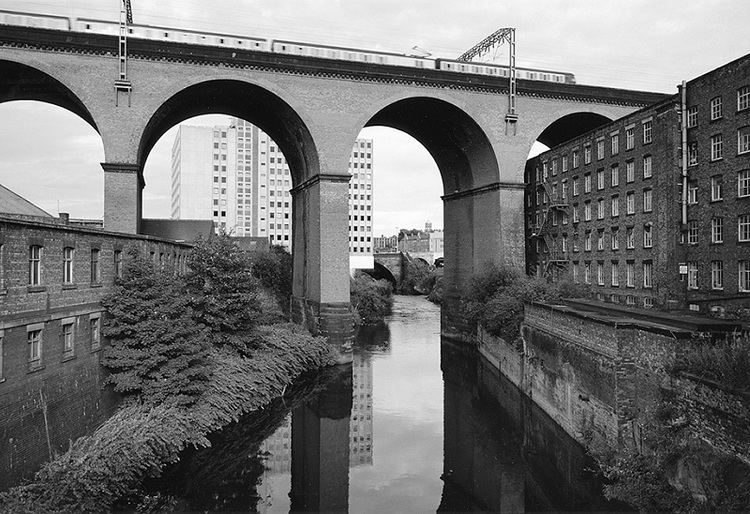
166	34
130	31
420	64
381	59
283	47
88	26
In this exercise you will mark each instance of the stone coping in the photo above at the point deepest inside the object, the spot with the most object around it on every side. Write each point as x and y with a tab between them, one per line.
57	225
623	318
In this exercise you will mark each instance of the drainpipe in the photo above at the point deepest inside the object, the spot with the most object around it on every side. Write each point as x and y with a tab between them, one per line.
683	122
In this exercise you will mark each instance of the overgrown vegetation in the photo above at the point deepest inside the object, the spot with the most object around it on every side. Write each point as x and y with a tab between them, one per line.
157	349
274	271
436	291
726	362
221	288
139	439
372	300
190	355
495	297
416	277
673	471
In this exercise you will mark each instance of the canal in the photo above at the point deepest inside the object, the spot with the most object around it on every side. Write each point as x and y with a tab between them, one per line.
415	424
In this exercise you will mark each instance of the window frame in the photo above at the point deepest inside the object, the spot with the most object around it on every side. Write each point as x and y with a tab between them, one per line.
35	265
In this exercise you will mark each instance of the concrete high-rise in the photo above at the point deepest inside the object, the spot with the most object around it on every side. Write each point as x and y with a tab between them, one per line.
238	177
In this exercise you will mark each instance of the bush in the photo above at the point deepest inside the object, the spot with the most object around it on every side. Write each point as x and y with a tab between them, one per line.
436	293
674	471
221	286
371	299
140	439
417	274
274	271
726	362
157	349
495	298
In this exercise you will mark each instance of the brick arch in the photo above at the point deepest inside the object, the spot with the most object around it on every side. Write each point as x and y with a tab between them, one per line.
460	147
20	81
245	100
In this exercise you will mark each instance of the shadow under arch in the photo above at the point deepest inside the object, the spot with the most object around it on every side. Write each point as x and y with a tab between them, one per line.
571	126
379	272
244	100
459	146
22	82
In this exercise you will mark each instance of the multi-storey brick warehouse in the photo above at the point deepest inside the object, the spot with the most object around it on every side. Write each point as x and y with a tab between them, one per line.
625	209
52	278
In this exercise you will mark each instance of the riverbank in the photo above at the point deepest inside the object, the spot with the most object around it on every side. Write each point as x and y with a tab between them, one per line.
139	440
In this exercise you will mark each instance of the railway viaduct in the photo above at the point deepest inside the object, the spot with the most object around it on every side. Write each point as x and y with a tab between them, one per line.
314	109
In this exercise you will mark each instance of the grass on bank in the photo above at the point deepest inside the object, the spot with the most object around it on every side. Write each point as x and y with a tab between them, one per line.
190	355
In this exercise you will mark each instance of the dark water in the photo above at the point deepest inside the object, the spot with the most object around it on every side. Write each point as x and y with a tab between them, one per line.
415	424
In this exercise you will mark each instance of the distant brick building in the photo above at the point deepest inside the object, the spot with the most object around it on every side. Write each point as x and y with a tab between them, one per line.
625	209
385	244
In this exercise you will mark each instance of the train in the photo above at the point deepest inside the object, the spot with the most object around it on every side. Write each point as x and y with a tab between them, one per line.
152	32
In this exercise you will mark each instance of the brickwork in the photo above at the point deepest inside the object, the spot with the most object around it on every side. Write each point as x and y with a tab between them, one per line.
717	415
631	251
51	385
315	109
596	375
718	90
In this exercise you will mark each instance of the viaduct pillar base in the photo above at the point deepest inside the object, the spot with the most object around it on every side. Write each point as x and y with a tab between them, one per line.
334	321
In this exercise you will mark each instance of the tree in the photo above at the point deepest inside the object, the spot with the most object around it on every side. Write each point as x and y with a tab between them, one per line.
274	271
157	349
371	299
221	287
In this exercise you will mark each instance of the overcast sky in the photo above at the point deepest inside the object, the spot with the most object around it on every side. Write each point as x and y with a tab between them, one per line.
52	158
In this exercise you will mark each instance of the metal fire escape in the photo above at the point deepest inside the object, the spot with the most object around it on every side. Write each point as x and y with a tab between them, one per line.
493	41
556	205
122	84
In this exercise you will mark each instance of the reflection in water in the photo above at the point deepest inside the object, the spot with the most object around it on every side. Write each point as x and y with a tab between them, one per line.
390	432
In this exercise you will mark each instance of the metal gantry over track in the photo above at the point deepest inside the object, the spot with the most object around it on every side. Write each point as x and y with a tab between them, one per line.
491	42
122	84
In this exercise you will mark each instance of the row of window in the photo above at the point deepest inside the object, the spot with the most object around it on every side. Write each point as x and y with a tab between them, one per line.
588	239
717	230
692	235
587	271
614	180
717	193
716	107
67	338
614	145
37	270
35	265
717	146
717	275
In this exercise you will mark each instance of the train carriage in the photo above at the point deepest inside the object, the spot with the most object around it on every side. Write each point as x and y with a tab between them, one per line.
158	33
349	54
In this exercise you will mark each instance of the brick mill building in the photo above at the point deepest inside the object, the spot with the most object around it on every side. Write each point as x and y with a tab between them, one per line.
644	217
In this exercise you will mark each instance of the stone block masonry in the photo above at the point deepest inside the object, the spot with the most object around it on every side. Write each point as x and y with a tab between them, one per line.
51	381
598	374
